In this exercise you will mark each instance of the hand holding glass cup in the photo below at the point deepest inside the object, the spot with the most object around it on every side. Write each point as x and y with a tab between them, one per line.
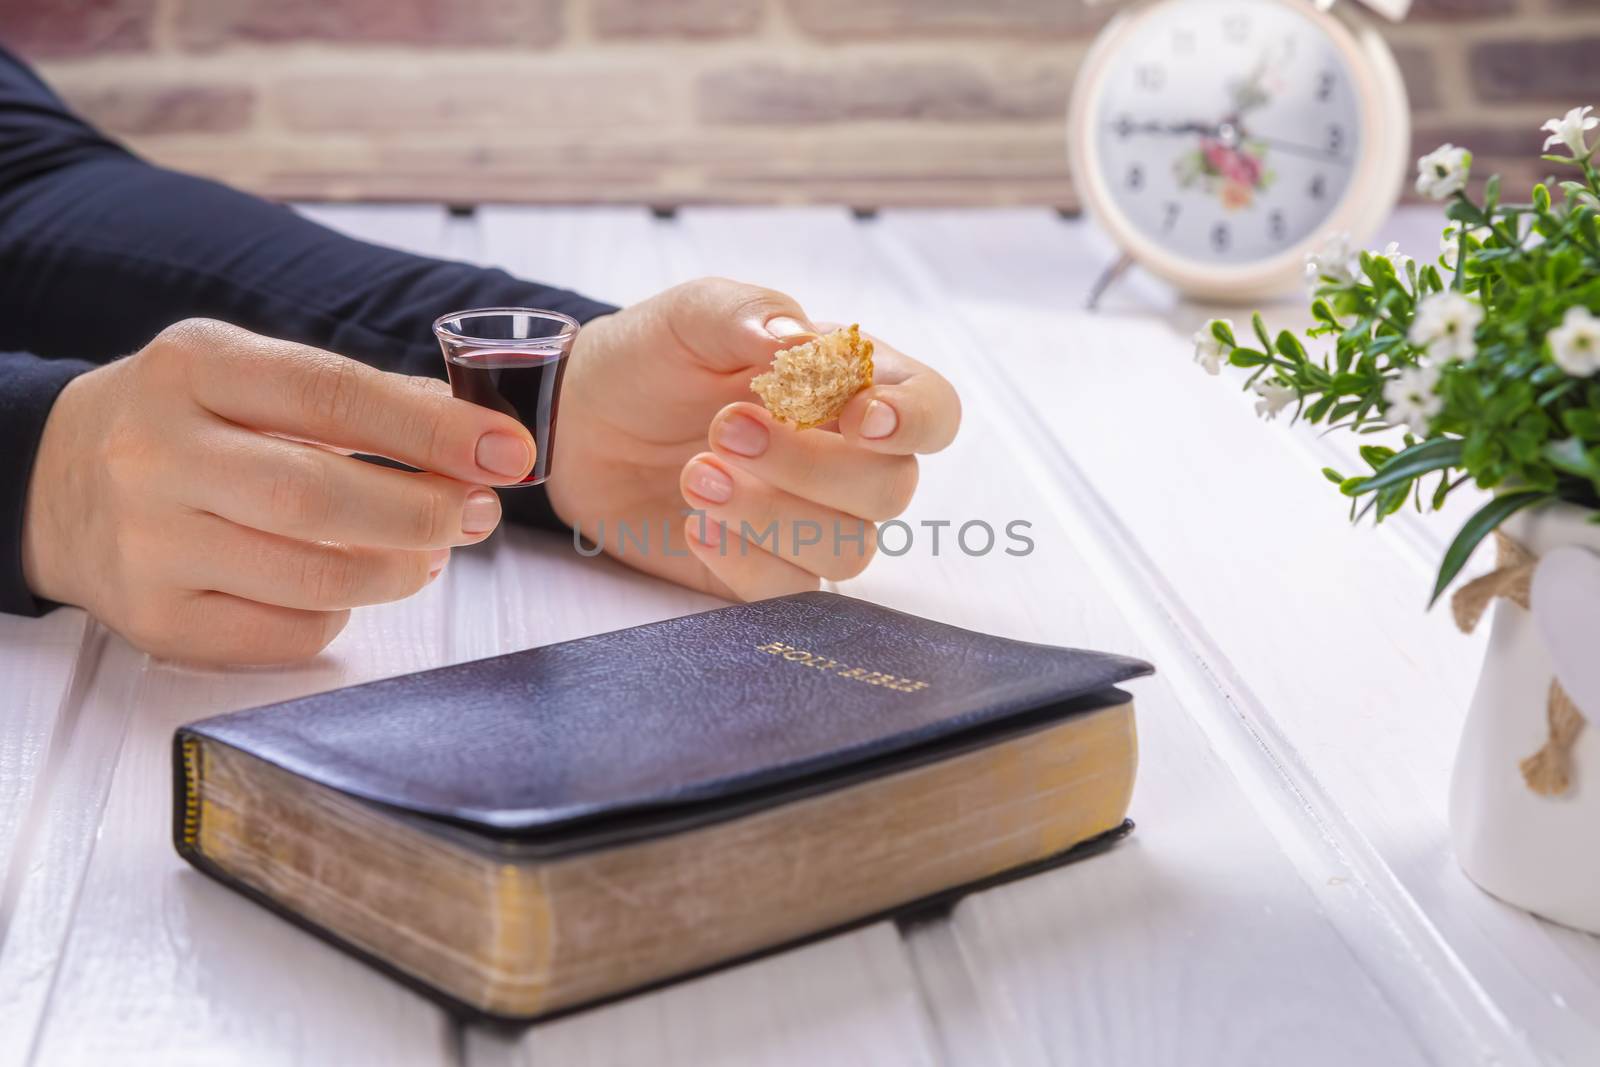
511	360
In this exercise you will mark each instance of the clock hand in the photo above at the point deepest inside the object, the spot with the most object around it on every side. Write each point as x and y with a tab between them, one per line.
1298	149
1127	126
1207	129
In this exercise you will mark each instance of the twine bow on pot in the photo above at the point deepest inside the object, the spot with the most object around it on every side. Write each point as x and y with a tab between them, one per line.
1547	771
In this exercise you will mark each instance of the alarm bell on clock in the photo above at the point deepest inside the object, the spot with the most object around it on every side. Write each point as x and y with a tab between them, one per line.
1218	141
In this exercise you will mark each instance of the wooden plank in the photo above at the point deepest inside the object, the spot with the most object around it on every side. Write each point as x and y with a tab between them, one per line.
608	253
420	228
1317	630
850	999
1217	902
38	661
115	951
846	1000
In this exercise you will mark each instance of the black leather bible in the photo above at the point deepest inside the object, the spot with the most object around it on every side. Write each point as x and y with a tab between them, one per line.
526	834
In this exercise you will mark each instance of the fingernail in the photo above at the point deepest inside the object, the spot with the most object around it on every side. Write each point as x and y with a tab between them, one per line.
786	329
706	481
501	453
481	512
436	561
879	421
742	434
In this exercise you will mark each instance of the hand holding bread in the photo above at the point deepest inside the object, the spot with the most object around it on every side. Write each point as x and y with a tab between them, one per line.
658	420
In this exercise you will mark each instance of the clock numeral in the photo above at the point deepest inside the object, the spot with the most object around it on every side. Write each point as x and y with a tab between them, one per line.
1183	42
1335	137
1170	218
1235	28
1124	127
1277	226
1325	83
1319	187
1135	178
1150	77
1220	237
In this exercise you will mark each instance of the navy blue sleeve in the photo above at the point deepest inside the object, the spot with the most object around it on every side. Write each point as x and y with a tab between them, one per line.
28	388
100	250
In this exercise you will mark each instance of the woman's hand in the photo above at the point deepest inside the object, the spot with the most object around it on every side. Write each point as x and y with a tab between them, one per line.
173	495
657	418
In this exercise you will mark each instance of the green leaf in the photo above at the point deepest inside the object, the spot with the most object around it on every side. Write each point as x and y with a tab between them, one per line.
1315	412
1246	357
1289	345
1437	454
1583	422
1523	444
1485	519
1222	332
1440	493
1378	268
1563	387
1347	408
1465	211
1261	331
1332	475
1571	456
1376	455
1391	500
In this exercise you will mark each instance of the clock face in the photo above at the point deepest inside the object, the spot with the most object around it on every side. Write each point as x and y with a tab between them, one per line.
1227	131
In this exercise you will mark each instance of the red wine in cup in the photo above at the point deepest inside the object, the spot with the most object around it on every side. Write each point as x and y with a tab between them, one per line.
524	383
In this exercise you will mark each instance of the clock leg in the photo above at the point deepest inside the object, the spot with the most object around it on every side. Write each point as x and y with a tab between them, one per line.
1109	275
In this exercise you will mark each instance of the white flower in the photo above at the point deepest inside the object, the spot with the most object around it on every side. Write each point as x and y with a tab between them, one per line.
1569	130
1575	344
1450	241
1275	396
1208	351
1444	324
1335	259
1410	398
1443	172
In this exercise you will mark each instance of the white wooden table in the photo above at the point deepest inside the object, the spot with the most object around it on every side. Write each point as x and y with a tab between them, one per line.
1289	897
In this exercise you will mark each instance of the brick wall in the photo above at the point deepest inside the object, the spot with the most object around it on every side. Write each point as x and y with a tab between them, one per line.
665	101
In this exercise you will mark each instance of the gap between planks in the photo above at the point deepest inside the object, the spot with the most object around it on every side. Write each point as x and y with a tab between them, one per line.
91	643
74	785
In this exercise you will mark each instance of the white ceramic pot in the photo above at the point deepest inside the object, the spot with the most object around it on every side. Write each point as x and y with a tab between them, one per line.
1541	853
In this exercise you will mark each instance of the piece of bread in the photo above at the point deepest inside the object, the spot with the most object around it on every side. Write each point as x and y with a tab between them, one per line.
810	383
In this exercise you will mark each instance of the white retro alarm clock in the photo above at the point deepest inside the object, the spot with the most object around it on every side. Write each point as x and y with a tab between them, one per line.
1218	141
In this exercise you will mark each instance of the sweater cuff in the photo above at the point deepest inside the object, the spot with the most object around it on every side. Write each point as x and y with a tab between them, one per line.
28	390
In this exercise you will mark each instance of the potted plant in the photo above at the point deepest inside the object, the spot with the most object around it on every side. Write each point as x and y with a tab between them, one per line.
1485	363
